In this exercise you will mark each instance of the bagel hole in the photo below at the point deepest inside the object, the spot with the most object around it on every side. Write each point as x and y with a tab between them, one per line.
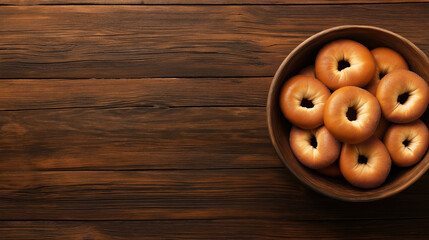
313	141
381	75
362	159
403	97
343	64
306	103
406	142
351	114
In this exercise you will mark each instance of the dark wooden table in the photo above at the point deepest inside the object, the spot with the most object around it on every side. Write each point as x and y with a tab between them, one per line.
130	119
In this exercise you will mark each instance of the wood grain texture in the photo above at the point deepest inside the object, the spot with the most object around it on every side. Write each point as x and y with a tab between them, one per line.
92	42
19	94
135	138
188	194
215	229
202	2
97	142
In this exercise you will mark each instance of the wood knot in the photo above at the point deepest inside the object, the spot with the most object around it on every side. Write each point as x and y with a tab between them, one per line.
13	128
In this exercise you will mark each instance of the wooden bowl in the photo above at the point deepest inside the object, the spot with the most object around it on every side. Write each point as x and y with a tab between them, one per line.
279	127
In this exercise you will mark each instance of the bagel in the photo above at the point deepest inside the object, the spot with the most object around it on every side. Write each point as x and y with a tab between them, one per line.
344	63
407	143
382	127
315	148
365	165
351	114
332	170
308	71
403	96
386	61
302	101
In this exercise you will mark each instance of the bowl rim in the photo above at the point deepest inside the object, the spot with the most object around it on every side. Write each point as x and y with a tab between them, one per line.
271	95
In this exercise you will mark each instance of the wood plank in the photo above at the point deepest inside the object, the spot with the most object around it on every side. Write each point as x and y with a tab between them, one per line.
19	94
188	194
186	2
136	138
184	41
216	229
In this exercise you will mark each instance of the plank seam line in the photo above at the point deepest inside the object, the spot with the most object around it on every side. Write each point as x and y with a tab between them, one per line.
142	78
215	106
214	219
143	170
134	106
219	4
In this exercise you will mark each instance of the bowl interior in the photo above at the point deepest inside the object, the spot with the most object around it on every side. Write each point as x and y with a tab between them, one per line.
279	127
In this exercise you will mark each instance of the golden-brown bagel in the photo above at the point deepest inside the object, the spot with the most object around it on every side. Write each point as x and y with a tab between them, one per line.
308	71
365	165
302	100
344	63
403	96
332	170
315	148
386	61
351	114
382	127
407	143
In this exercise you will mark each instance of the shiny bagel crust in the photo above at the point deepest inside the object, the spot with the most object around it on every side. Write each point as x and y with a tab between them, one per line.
397	83
370	174
294	91
359	73
417	136
326	152
386	61
367	114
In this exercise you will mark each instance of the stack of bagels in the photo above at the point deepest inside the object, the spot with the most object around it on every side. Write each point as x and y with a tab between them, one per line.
355	112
